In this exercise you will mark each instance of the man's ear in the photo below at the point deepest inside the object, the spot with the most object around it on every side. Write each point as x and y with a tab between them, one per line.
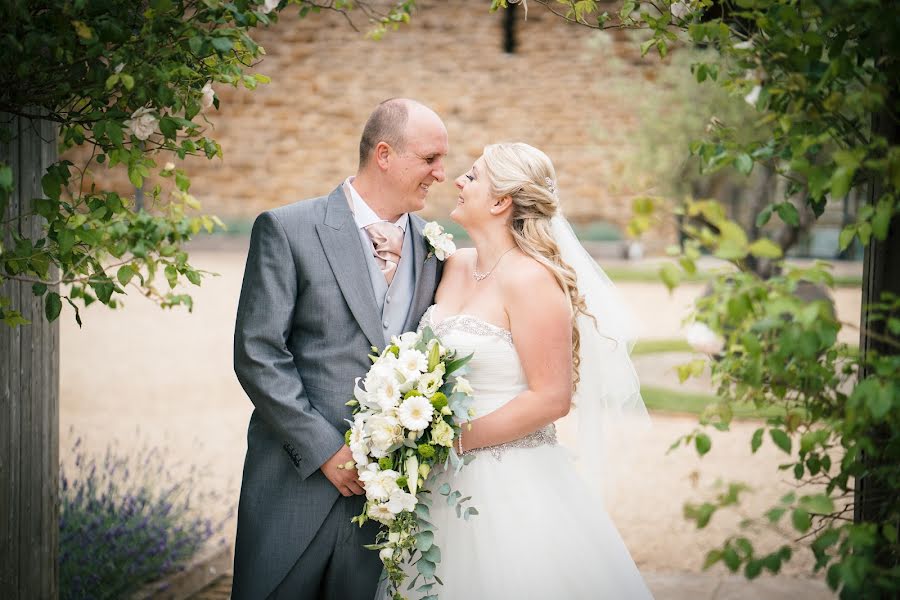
502	205
382	154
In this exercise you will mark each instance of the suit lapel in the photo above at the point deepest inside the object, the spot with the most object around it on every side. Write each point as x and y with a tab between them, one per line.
424	281
345	254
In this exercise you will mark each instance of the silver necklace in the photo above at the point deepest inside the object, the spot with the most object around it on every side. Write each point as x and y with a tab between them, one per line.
480	276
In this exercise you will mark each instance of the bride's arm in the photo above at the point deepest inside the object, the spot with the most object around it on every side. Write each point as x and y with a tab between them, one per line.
541	325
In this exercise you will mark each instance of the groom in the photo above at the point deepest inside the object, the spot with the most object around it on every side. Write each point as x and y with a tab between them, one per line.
325	280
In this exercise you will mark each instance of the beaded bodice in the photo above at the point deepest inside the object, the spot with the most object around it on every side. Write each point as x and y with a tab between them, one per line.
495	371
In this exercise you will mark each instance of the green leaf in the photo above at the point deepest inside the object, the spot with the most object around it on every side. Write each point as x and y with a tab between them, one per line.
788	213
781	439
764	215
846	236
765	248
756	440
39	289
222	44
703	443
65	239
731	558
743	163
801	520
670	275
125	274
52	306
818	503
127	81
426	567
424	540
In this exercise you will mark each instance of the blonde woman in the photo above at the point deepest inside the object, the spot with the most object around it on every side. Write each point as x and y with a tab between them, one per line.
545	326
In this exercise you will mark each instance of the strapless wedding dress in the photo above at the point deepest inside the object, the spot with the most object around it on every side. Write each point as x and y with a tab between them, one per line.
541	533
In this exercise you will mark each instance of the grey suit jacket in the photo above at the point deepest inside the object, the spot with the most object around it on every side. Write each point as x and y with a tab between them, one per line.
306	320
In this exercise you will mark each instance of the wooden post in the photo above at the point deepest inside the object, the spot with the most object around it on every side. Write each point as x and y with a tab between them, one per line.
881	273
29	389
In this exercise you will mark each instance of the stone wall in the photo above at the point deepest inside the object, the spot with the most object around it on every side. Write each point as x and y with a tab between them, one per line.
297	137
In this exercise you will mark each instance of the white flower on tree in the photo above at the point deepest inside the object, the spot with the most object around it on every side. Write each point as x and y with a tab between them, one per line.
680	9
703	339
208	96
142	123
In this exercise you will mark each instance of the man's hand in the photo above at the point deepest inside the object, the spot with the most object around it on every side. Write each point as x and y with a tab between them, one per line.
344	479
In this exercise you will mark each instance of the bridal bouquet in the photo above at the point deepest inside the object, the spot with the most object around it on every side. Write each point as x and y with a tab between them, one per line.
407	412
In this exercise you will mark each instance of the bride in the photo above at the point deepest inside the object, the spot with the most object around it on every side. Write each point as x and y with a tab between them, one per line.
543	322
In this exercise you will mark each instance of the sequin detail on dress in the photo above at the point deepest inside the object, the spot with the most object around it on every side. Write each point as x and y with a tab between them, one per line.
466	323
545	436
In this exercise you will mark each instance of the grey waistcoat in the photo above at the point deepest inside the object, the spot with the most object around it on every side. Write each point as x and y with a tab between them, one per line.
393	301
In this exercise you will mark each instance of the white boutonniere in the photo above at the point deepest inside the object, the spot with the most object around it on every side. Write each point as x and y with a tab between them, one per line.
440	243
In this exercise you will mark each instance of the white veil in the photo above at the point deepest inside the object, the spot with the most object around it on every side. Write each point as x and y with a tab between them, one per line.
607	403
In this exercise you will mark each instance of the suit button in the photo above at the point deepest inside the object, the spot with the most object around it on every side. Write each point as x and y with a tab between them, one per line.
385	324
388	299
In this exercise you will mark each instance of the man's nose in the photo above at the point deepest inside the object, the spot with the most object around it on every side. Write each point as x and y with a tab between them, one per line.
438	173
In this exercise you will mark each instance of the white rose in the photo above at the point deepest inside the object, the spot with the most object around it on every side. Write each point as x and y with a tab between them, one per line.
386	554
380	513
208	96
379	485
142	123
444	248
703	339
170	166
384	432
442	434
680	9
432	230
415	413
753	96
401	501
463	386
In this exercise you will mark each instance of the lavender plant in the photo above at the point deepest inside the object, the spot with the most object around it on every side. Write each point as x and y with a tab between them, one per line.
126	520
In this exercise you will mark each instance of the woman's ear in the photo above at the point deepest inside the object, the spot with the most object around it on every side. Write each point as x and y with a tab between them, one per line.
501	205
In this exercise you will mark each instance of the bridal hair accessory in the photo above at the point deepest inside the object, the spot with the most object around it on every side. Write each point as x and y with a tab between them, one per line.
550	185
607	402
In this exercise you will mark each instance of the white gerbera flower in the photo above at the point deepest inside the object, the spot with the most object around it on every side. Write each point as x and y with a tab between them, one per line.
415	413
380	512
412	362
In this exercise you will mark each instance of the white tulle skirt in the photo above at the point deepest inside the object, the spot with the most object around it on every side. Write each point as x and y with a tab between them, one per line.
541	533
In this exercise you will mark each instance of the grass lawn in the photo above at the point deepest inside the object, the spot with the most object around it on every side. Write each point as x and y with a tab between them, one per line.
644	275
643	347
665	400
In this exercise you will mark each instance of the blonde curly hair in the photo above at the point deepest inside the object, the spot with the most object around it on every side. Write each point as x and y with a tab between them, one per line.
526	175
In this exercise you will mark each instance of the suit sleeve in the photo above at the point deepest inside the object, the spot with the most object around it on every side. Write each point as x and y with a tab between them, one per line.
262	361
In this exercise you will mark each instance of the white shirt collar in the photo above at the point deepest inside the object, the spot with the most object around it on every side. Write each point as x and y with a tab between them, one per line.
364	215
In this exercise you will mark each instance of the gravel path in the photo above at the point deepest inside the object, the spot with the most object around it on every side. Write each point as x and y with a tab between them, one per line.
168	376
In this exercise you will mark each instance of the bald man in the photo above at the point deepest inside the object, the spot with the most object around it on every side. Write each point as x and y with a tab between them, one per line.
326	279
